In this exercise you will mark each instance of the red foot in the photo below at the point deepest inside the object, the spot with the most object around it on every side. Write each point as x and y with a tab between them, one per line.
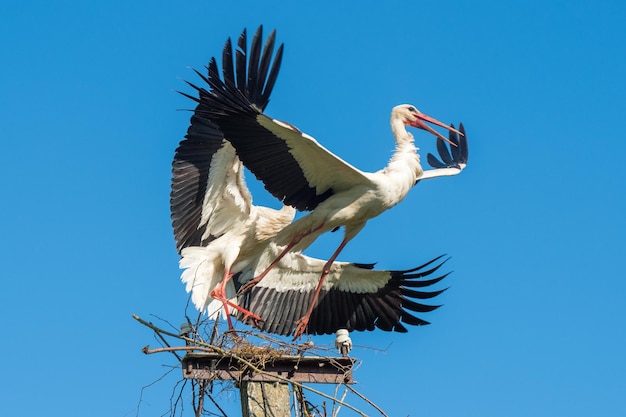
219	295
300	327
249	285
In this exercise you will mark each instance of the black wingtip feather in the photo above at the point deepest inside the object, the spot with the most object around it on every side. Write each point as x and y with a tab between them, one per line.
417	268
444	152
421	295
453	157
421	284
412	320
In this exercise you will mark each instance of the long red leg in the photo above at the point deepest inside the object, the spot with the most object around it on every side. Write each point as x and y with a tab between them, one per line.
254	281
304	321
250	284
219	293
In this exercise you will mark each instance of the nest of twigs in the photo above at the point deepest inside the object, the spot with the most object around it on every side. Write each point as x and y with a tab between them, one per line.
253	352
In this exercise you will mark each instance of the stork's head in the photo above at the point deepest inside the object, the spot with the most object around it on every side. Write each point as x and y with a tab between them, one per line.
413	117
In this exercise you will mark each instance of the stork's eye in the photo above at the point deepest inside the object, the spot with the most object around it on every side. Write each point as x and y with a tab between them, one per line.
412	109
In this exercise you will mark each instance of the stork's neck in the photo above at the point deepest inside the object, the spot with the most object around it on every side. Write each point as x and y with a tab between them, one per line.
404	167
398	128
405	154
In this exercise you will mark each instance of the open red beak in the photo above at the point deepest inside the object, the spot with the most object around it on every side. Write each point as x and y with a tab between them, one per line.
419	123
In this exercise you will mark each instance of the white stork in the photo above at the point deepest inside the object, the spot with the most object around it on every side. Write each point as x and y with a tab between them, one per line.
219	232
209	198
301	173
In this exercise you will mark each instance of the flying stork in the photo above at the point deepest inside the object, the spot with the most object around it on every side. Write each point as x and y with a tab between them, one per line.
297	169
216	226
220	233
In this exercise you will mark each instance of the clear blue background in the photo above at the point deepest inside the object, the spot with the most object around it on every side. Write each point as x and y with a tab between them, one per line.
533	323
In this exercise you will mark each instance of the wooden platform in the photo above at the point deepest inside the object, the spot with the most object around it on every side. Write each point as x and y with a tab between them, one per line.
304	369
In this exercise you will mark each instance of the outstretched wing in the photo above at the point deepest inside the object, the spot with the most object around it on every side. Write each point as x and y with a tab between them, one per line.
354	296
190	176
209	193
294	167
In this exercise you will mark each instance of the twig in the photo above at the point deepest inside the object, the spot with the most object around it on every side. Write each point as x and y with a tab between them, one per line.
149	385
364	398
164	321
165	332
146	349
174	402
214	331
217	405
160	336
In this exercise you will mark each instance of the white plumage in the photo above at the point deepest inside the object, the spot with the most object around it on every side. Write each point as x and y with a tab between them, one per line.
237	235
236	232
298	170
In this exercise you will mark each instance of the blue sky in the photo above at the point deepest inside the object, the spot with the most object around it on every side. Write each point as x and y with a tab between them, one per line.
533	321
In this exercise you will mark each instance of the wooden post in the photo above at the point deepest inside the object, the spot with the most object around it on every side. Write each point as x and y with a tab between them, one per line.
264	399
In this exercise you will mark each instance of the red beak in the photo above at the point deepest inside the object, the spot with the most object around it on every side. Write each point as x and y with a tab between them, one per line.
421	125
